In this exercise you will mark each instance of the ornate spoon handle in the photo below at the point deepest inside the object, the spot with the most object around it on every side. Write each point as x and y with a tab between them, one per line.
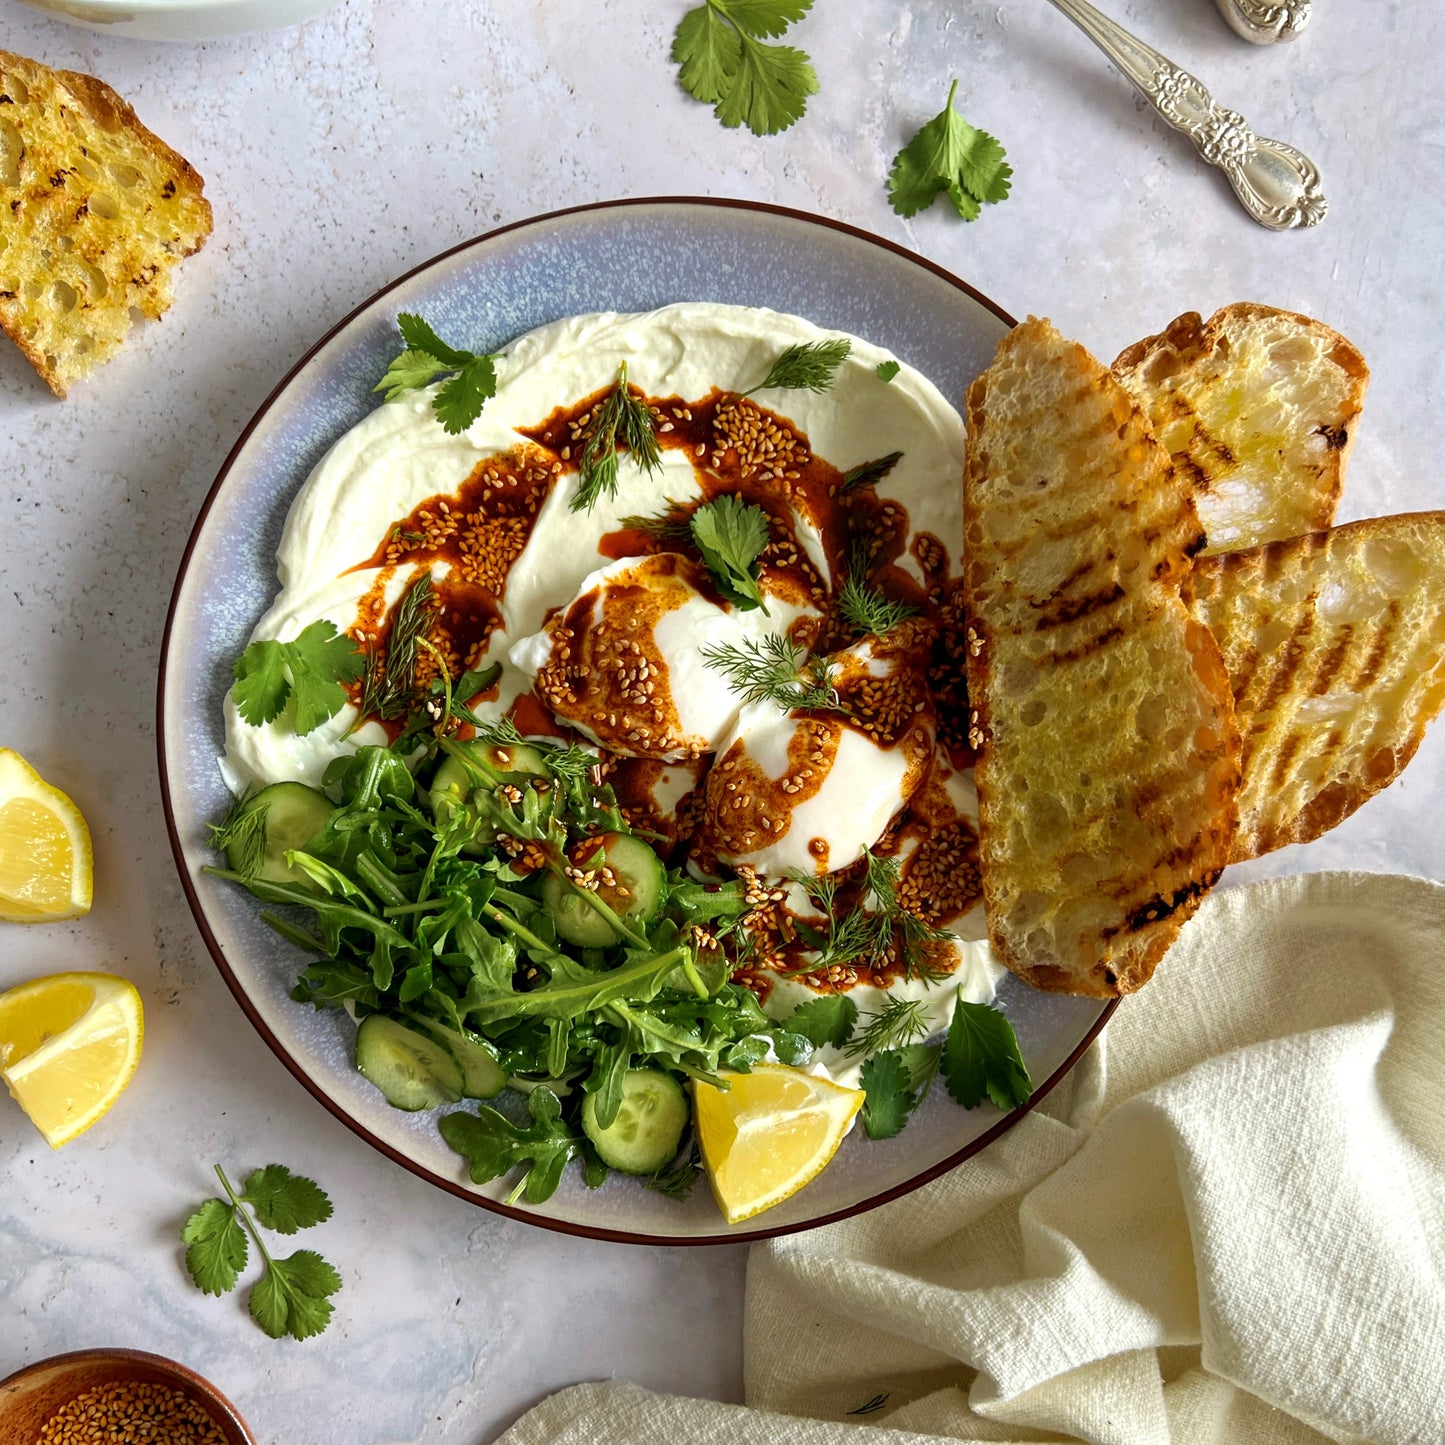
1264	21
1275	183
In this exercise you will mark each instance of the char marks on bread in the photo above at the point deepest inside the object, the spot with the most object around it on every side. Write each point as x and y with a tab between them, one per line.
95	212
1257	408
1335	646
1108	751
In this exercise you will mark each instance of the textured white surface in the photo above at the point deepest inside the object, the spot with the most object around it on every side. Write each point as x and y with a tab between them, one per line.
338	155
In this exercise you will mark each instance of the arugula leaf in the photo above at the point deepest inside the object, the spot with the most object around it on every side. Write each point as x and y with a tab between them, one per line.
886	370
292	1297
724	63
889	1094
829	1019
981	1058
311	668
459	401
731	536
492	1145
284	1201
793	1049
217	1249
948	154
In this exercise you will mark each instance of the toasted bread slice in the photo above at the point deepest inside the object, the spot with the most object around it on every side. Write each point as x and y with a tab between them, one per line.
95	211
1335	646
1108	753
1257	408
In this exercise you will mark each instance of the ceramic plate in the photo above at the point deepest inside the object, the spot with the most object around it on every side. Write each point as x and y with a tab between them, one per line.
628	256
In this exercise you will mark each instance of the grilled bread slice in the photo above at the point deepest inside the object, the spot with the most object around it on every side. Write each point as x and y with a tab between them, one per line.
1335	646
95	211
1108	753
1257	408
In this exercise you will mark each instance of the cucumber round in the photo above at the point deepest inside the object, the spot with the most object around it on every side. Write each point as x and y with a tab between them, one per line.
647	1132
636	897
482	1076
293	815
413	1071
452	784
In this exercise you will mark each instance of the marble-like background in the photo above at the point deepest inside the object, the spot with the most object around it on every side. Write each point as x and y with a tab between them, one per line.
343	152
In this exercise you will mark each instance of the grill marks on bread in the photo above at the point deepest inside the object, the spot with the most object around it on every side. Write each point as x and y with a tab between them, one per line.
1109	755
95	211
1335	646
1257	409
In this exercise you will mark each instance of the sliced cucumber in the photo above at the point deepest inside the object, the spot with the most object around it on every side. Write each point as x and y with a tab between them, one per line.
293	815
482	1076
452	785
636	896
647	1131
413	1071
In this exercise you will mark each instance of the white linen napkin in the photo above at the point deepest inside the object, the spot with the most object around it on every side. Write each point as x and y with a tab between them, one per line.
1228	1225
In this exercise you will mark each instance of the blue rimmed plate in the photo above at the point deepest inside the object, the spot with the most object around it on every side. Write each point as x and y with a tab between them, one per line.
623	256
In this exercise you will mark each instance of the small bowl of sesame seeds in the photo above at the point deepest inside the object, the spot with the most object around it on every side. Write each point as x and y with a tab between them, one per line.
99	1397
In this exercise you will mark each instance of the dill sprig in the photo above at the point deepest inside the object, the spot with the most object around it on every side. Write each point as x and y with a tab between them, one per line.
388	688
244	829
866	474
672	525
867	610
808	366
676	1180
621	417
898	1022
776	668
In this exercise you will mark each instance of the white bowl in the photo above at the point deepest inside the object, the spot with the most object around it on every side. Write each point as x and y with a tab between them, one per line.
182	19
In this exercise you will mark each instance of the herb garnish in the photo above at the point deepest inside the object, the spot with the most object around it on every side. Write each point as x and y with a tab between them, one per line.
724	62
244	830
805	366
885	371
389	689
950	155
671	525
625	417
776	668
473	378
899	1021
867	610
292	1297
866	474
312	668
731	535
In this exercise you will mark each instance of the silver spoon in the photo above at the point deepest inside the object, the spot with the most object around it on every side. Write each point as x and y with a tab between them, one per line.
1264	21
1278	185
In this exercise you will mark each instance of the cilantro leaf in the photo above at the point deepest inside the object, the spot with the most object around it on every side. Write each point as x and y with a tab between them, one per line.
312	667
825	1020
459	401
492	1145
889	1094
948	154
217	1248
981	1058
261	687
886	370
284	1201
724	62
792	1049
731	536
292	1297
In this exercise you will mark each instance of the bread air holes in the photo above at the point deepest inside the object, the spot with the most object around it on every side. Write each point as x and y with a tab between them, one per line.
14	87
95	281
104	206
11	149
1394	563
1033	712
124	174
64	295
87	168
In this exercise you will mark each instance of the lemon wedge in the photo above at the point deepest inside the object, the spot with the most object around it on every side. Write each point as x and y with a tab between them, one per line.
69	1044
770	1133
45	858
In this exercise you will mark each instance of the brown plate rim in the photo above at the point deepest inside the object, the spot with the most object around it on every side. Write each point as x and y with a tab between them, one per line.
561	1226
